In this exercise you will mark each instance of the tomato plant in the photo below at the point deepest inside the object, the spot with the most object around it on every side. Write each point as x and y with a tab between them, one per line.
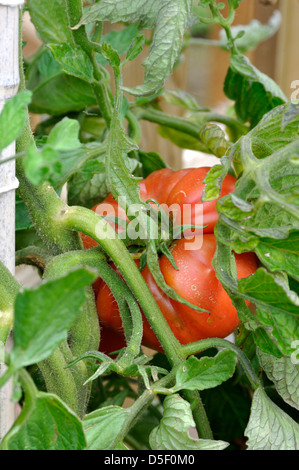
201	264
195	280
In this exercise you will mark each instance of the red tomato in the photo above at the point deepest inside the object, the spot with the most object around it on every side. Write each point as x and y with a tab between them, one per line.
195	281
111	341
177	192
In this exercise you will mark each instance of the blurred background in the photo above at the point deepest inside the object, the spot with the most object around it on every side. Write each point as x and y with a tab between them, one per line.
202	68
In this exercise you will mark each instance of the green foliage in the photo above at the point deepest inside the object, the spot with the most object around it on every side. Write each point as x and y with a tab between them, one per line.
89	143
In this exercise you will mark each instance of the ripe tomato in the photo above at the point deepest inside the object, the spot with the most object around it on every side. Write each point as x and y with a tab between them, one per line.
196	281
178	192
110	340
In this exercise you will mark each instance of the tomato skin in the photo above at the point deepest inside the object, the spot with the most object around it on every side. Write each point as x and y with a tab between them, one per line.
174	190
110	340
195	281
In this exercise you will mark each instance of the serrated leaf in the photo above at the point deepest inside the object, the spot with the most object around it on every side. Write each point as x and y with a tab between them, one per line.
265	289
51	21
73	60
45	77
44	315
12	118
102	427
133	11
120	40
119	179
281	329
254	93
207	372
170	19
173	431
280	254
62	155
269	427
284	373
213	183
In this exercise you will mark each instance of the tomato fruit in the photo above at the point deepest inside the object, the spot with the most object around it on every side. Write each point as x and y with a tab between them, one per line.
176	191
196	281
111	341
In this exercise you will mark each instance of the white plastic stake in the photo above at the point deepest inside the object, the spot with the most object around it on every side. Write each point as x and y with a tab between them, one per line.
9	83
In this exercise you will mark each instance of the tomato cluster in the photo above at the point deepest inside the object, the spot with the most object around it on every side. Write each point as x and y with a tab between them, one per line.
195	279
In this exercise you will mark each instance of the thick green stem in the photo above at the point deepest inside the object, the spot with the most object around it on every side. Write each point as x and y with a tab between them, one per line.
199	414
9	289
84	220
183	125
84	335
64	381
44	204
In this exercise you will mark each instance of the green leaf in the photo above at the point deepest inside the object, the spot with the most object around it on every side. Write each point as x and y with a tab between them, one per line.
228	409
87	187
123	39
44	315
284	373
173	431
136	48
281	329
55	92
102	427
23	220
183	99
42	165
119	180
12	118
182	140
269	291
269	427
62	155
170	20
73	60
207	372
278	128
46	423
280	254
51	21
65	135
254	93
213	182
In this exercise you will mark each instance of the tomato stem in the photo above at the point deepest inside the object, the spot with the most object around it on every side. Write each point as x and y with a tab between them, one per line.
185	126
9	289
86	221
